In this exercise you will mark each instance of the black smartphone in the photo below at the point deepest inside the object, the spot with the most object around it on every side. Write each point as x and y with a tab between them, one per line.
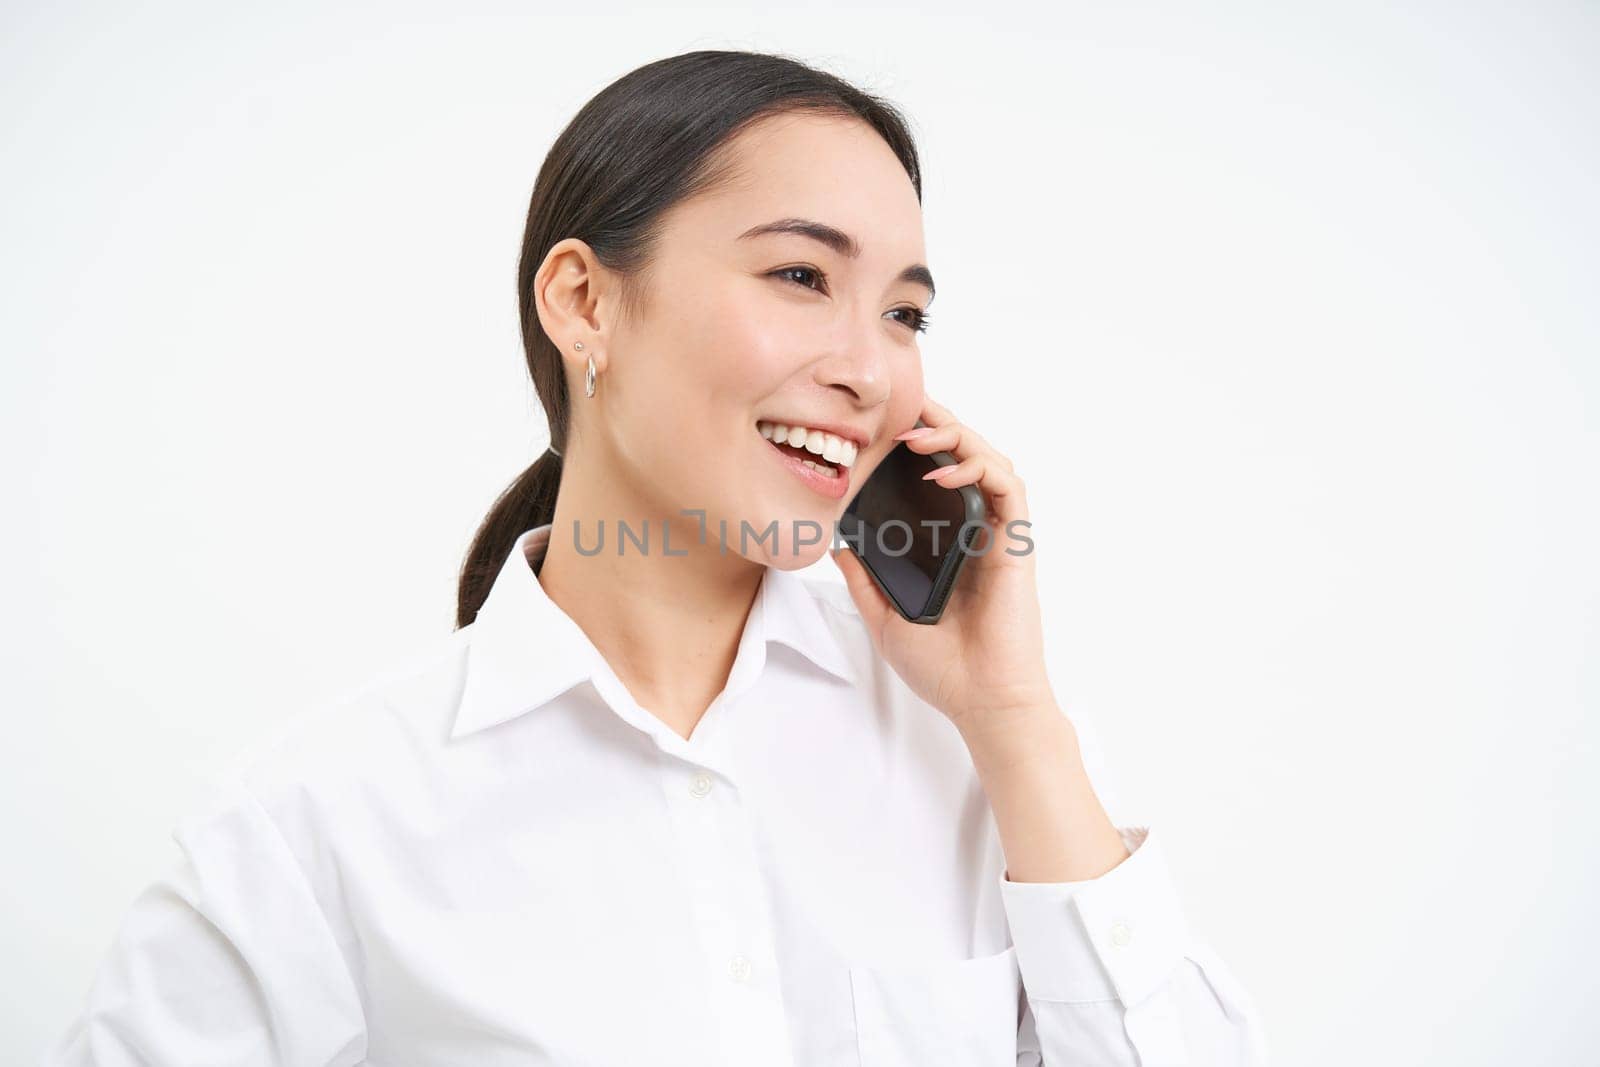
912	535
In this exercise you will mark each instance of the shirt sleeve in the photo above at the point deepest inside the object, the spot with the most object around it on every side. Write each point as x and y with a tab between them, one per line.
1112	973
227	958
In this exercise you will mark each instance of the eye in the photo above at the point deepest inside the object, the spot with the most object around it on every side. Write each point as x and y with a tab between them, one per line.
918	321
786	272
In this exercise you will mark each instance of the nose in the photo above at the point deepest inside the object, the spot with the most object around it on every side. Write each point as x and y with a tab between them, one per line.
860	368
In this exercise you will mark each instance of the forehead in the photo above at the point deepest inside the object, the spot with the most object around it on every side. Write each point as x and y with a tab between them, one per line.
834	170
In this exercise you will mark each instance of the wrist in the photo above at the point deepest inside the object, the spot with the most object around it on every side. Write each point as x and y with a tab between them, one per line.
1021	703
1052	826
1016	735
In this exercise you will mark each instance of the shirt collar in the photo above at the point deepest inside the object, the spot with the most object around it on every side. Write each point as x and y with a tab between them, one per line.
524	651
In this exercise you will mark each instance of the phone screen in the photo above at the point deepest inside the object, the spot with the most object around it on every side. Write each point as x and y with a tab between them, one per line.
907	556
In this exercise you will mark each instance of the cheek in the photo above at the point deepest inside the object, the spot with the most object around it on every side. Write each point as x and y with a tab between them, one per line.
702	358
751	353
906	390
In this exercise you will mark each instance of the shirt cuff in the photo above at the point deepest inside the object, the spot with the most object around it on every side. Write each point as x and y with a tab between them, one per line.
1119	936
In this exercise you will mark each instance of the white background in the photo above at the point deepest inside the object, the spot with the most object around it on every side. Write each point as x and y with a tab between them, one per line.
1286	313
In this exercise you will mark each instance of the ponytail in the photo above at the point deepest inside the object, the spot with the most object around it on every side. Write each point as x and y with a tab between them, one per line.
528	502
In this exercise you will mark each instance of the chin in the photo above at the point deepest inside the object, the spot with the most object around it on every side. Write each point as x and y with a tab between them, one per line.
780	551
803	557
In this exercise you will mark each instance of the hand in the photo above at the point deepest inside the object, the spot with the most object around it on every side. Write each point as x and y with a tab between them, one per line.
984	659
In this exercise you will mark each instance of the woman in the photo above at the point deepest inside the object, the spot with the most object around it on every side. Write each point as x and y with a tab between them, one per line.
666	802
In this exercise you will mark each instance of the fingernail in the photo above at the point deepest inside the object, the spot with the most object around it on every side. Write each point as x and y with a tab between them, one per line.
939	471
915	432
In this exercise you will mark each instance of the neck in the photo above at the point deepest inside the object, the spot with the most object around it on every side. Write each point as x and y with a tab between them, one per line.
667	624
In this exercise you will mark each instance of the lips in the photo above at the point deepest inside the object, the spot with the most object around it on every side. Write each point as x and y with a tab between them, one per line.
830	487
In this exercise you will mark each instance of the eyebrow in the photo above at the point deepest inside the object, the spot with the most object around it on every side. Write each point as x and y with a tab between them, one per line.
840	242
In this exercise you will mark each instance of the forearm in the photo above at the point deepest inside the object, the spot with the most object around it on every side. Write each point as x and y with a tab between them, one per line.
1052	827
1110	970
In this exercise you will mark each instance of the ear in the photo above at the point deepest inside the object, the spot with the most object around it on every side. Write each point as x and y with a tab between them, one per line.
567	291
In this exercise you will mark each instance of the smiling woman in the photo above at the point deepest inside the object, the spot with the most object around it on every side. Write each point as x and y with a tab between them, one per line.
748	290
686	807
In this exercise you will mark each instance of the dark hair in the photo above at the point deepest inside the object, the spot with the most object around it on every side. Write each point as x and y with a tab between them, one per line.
647	141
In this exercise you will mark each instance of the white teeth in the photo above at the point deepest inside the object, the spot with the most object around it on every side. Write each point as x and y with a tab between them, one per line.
828	472
830	447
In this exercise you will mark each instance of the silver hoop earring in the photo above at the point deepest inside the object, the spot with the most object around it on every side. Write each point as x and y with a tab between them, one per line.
588	379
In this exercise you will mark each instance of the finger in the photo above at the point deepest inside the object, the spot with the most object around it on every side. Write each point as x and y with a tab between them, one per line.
935	413
869	599
960	440
937	416
1007	495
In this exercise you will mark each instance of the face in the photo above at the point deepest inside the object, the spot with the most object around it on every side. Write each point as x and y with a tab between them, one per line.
740	335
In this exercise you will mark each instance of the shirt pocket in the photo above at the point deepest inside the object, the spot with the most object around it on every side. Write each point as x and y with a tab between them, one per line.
963	1013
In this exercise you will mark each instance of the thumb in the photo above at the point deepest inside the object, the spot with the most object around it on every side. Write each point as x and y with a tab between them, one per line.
869	599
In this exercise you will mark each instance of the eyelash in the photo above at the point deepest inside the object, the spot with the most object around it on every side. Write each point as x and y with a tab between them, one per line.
921	325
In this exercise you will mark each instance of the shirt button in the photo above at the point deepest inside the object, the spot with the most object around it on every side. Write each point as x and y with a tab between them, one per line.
700	784
1120	934
739	968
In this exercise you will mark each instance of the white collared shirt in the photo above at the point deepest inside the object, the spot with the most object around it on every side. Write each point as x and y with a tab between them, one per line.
496	857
